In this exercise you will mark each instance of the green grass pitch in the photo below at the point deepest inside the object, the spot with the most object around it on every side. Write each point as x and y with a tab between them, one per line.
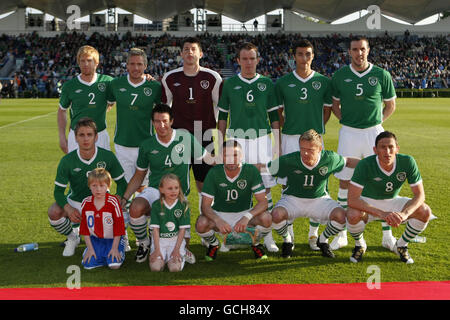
30	153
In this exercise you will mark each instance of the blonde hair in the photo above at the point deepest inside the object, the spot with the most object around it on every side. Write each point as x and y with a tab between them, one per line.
90	51
312	136
181	197
137	52
99	174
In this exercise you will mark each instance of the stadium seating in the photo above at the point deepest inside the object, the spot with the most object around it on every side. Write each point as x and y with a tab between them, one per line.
47	62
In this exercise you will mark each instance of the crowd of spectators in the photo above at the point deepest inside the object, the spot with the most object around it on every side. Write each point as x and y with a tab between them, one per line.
47	62
414	62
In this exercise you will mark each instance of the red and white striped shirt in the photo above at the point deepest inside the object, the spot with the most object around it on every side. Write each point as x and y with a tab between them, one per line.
106	223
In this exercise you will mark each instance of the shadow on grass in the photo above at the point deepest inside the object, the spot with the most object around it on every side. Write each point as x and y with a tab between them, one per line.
47	267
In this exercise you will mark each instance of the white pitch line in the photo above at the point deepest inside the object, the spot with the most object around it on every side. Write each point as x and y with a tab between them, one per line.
26	120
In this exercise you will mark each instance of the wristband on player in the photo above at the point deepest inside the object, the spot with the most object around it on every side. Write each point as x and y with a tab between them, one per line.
248	215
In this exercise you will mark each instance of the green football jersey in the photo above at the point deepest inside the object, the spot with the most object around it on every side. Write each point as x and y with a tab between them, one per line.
170	219
173	157
72	170
303	100
233	195
379	184
361	95
86	100
134	105
248	103
304	181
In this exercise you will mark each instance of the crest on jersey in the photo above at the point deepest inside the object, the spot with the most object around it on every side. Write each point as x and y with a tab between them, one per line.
241	184
101	164
262	86
401	176
148	92
179	148
373	81
316	85
108	220
178	213
170	226
204	84
323	171
102	87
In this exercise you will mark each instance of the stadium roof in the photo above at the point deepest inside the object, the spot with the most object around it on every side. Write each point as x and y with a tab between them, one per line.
411	11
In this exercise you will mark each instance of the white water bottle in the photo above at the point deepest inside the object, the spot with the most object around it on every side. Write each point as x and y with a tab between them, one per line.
27	247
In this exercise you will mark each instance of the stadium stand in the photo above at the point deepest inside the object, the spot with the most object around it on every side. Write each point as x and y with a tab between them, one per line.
46	62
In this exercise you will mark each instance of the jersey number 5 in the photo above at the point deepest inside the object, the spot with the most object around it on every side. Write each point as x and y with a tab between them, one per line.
360	89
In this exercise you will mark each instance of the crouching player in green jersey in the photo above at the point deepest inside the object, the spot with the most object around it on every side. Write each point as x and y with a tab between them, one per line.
227	201
65	214
306	193
373	195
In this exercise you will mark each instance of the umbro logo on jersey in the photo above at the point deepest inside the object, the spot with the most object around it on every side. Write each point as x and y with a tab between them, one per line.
78	91
154	152
348	80
176	84
122	89
77	169
224	185
292	85
237	87
297	171
377	179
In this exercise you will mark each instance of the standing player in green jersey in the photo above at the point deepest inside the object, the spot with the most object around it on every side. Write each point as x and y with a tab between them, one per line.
85	95
168	151
227	201
72	171
373	195
359	91
305	97
249	100
306	194
134	97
